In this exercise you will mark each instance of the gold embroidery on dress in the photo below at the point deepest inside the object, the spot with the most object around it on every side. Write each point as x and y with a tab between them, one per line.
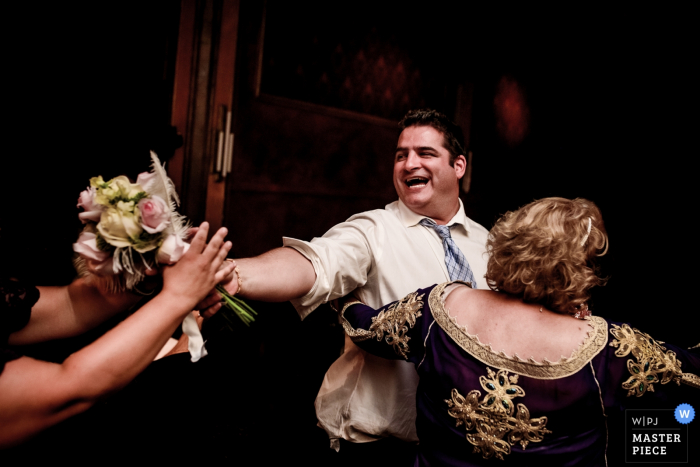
357	335
654	364
594	343
490	421
393	322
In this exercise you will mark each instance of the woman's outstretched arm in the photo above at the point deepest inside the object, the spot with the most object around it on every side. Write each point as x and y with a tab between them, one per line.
35	395
392	331
71	310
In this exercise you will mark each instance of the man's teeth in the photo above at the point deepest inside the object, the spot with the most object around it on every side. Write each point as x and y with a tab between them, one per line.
416	182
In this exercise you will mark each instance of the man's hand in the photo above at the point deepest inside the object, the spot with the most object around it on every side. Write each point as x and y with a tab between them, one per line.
276	276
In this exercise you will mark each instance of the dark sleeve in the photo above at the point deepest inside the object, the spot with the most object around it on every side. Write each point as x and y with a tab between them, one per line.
394	331
16	302
642	365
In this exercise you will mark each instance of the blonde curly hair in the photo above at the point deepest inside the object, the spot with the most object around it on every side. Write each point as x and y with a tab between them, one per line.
543	253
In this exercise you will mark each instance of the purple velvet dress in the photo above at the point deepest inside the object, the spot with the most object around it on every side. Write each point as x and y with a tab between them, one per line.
476	406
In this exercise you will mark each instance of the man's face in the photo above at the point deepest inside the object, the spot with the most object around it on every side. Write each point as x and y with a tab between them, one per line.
423	177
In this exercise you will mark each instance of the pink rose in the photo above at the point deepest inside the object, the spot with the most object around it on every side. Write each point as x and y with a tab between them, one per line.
144	180
98	262
92	210
172	250
155	215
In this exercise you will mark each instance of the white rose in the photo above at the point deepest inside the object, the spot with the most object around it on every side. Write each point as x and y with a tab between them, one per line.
117	227
172	250
144	180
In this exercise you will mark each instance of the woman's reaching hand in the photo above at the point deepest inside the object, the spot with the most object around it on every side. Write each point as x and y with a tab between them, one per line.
194	276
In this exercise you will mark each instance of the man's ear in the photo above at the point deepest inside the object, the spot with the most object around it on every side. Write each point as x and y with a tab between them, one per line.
460	165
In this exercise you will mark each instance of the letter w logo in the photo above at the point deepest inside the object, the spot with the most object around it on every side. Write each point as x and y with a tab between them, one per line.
684	413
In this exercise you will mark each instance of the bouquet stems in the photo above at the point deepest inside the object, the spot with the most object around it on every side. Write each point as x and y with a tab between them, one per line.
239	307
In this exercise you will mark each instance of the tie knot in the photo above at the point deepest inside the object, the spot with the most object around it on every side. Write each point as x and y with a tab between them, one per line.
442	230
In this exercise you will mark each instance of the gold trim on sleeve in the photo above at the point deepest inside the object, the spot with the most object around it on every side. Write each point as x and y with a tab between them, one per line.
594	343
490	421
390	324
654	363
691	380
357	335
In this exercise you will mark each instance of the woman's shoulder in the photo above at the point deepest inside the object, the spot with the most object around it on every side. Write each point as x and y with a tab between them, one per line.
506	340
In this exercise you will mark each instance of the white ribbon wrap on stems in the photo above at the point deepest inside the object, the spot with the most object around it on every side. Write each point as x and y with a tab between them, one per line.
196	341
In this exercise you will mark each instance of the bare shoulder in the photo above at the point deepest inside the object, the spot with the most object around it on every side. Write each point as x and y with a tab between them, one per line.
471	305
459	298
516	328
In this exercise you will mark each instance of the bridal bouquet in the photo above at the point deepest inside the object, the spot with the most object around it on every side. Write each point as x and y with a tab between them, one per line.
132	227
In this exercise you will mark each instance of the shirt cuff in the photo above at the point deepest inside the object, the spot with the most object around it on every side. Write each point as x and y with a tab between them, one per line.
309	302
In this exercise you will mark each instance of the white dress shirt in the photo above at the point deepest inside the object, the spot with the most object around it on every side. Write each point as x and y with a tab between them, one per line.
384	255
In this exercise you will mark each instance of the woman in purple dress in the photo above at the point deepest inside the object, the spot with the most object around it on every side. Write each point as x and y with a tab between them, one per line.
523	372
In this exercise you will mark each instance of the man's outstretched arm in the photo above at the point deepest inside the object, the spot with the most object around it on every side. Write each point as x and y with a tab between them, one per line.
276	276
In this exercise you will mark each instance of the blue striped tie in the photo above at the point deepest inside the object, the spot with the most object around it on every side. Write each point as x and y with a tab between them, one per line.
457	265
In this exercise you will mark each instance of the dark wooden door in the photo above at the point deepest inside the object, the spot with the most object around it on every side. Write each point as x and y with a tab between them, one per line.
299	167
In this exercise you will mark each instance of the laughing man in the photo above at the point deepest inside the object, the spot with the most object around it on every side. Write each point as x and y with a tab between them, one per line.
382	255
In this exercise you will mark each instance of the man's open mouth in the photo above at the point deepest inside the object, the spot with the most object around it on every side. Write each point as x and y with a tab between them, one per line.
416	181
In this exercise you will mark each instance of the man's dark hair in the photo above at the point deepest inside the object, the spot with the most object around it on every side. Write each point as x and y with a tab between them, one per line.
453	138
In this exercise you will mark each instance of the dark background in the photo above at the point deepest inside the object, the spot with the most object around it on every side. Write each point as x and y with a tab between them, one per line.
612	99
611	95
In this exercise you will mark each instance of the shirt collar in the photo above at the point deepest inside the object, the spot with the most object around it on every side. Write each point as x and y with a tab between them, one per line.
410	218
